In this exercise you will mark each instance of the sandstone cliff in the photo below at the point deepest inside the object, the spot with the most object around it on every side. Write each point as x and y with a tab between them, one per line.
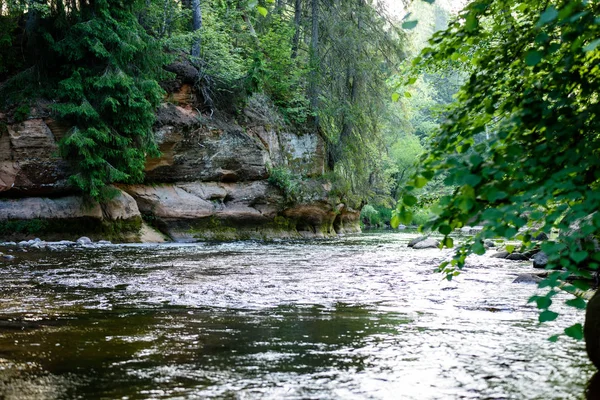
211	181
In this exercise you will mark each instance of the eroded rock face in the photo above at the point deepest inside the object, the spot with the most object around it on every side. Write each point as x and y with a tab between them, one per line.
42	207
209	183
303	153
244	210
70	217
194	150
29	164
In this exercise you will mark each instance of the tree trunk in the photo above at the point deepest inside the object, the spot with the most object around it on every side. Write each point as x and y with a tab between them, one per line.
313	91
196	26
297	21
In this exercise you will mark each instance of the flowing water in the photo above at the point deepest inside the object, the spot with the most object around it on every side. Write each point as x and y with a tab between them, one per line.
360	317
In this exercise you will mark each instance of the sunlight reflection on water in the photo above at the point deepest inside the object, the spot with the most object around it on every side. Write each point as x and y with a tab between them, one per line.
351	318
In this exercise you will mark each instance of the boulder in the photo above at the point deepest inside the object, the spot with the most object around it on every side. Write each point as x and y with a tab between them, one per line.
471	230
429	243
500	254
84	241
532	252
414	241
527	278
120	207
540	237
489	244
540	260
517	257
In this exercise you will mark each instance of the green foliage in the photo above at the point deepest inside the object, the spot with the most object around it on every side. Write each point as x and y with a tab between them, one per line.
22	112
521	144
287	181
108	91
370	217
359	53
275	73
9	55
26	227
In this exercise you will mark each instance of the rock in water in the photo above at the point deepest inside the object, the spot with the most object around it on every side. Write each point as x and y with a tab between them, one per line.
517	257
84	241
428	243
540	260
489	243
527	278
500	254
416	240
591	330
541	237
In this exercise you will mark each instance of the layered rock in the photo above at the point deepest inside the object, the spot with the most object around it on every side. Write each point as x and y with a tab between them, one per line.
29	163
70	217
210	181
245	210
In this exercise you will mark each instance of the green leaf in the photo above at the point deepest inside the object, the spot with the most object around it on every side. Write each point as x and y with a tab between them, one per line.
543	302
406	216
547	316
263	11
395	97
581	285
471	23
445	229
577	302
575	331
533	58
553	338
548	16
472	180
395	221
420	182
407	95
409	24
409	200
591	46
510	248
448	242
579	256
478	248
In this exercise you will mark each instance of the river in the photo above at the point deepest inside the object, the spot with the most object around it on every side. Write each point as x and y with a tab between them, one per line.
358	317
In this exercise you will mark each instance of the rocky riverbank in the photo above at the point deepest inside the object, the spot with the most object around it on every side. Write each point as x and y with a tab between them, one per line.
210	183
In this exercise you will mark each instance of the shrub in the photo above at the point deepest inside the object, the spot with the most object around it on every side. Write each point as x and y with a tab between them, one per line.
369	215
287	181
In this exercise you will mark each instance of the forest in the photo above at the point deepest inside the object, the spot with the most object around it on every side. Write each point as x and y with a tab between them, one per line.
433	113
330	66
